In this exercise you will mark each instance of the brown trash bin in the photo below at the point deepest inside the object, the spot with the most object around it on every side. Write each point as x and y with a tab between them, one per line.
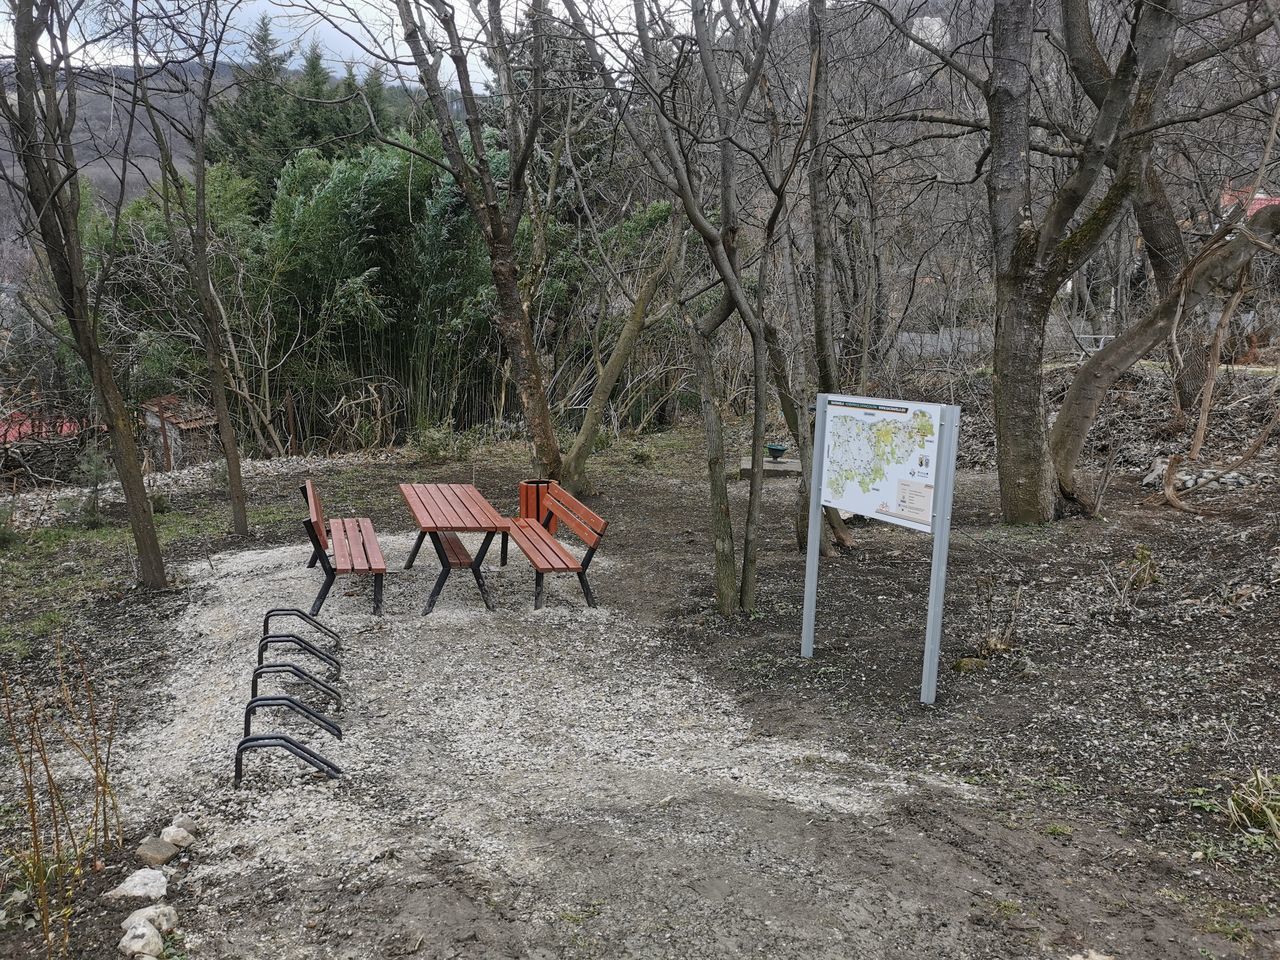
532	505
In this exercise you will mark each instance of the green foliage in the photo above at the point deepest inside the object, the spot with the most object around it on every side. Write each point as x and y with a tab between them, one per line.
440	443
92	470
273	114
8	536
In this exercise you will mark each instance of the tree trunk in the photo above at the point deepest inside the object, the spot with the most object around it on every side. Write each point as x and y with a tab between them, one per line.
226	429
820	206
517	338
124	451
726	568
1089	388
1028	484
1028	487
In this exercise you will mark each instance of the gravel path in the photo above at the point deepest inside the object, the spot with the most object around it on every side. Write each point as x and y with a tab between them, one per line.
519	784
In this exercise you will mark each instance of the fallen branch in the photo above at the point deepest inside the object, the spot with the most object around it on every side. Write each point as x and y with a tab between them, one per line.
1169	491
1254	448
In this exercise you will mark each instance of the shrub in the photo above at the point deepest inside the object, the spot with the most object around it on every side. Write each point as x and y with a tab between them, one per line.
92	469
440	443
218	480
8	535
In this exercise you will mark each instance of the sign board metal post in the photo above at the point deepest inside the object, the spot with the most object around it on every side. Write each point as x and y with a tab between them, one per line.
948	441
939	527
815	527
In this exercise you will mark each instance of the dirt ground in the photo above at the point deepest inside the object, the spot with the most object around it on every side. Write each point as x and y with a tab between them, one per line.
648	779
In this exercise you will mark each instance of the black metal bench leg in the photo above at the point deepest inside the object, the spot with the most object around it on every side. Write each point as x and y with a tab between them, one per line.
324	592
435	591
377	594
586	589
503	561
537	591
315	558
413	554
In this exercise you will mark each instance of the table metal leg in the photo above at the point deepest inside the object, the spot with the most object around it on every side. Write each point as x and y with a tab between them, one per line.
475	570
413	554
444	572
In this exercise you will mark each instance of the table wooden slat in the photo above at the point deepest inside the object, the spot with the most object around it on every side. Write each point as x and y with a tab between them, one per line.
421	516
451	506
481	507
458	503
442	512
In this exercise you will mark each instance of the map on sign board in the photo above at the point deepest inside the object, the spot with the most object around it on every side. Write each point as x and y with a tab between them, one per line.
881	459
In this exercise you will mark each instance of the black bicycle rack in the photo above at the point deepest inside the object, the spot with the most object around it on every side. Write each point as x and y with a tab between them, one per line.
278	701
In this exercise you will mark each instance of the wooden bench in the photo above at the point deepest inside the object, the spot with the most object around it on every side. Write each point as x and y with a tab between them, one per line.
546	554
355	548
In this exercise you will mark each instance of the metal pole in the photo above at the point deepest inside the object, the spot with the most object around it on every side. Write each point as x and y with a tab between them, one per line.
948	440
815	527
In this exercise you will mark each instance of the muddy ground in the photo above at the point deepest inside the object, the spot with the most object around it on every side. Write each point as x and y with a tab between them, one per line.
650	780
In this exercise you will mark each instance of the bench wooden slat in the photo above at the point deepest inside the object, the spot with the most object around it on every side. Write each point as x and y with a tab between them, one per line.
341	549
355	542
371	546
570	520
559	494
316	513
530	544
545	552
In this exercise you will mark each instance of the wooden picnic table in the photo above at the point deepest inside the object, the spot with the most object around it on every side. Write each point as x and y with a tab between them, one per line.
442	511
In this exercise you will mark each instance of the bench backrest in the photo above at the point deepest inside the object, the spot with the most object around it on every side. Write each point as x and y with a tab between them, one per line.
316	513
586	525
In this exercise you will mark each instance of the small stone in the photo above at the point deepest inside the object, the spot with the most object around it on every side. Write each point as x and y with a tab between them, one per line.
177	836
155	852
142	940
160	915
147	884
969	664
184	822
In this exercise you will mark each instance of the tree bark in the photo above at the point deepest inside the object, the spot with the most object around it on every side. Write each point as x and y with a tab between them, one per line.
1028	488
517	338
820	206
725	565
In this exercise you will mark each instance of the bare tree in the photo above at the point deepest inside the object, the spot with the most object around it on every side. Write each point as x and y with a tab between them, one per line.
39	99
178	51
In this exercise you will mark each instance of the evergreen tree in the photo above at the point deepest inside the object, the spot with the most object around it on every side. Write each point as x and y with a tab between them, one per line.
253	131
375	94
316	122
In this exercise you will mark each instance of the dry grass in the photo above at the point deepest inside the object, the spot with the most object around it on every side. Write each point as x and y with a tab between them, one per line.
1254	806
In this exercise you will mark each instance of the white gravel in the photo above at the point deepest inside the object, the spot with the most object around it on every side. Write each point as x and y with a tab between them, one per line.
471	737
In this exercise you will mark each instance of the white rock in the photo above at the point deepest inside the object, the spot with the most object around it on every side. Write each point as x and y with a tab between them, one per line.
147	884
178	836
184	822
142	939
160	915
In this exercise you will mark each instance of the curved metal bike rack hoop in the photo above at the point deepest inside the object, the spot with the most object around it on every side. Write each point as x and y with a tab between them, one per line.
302	615
290	703
293	670
289	745
292	639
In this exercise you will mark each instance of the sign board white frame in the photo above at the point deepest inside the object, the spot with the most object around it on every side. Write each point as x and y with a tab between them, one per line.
943	494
